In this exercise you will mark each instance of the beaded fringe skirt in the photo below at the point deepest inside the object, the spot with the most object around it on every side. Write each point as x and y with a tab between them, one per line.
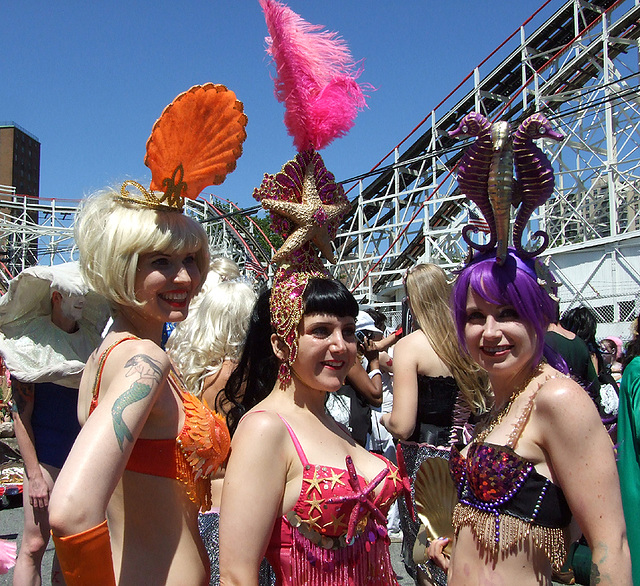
506	532
365	561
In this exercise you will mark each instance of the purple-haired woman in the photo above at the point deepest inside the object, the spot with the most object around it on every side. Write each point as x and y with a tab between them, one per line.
540	457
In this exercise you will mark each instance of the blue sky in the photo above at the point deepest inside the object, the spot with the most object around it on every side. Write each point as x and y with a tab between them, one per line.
89	79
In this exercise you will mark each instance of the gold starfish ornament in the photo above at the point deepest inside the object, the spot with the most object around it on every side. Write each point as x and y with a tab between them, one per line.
306	205
312	217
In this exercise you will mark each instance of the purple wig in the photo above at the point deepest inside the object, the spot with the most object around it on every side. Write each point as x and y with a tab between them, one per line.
514	283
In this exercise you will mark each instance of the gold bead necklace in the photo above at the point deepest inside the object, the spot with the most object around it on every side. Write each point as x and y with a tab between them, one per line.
486	427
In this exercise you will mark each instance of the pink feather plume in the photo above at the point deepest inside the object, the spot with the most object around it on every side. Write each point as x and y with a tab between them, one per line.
315	78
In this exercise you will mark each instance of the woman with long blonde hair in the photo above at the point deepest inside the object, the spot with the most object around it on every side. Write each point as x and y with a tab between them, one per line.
435	388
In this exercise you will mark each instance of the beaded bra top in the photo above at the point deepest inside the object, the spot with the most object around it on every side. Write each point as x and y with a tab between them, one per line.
199	450
336	532
504	500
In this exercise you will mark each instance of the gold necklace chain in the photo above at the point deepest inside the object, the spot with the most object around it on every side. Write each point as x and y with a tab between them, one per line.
486	427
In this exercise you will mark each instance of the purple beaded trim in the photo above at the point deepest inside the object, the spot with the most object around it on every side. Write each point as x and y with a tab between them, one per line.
494	507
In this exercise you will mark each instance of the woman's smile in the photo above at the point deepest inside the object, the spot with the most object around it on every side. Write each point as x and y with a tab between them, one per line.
176	298
334	364
326	351
496	350
497	339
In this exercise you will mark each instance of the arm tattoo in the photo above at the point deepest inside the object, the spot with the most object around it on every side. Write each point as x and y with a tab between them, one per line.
22	394
147	372
595	575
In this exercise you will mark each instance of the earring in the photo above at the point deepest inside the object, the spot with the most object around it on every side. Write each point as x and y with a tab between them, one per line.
284	373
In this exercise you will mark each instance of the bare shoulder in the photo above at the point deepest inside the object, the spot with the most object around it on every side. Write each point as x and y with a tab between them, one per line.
130	352
562	402
132	361
406	343
262	427
415	346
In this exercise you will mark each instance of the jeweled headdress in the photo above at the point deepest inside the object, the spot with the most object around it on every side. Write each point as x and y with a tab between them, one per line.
316	80
485	176
195	143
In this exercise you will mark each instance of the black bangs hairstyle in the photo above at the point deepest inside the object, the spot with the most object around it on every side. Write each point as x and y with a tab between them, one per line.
329	296
257	371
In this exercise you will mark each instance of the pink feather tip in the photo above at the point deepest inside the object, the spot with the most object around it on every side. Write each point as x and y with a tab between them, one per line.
315	78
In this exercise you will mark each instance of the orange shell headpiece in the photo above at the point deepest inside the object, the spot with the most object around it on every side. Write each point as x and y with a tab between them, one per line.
195	143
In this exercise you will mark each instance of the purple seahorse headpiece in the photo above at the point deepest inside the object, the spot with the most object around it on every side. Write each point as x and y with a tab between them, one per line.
485	176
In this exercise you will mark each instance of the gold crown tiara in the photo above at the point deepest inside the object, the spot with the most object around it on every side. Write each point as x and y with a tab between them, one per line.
171	200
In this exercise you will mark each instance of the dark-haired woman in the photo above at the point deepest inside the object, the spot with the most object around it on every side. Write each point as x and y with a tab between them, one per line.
298	488
582	322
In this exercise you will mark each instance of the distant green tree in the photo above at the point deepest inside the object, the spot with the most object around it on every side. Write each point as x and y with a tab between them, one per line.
265	224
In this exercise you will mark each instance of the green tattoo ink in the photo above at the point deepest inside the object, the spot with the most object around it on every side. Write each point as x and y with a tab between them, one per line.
145	367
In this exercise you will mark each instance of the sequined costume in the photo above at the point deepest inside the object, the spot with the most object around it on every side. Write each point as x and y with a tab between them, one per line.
504	500
336	532
198	451
209	526
437	399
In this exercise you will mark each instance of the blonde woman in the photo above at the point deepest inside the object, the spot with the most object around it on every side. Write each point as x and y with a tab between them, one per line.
435	388
207	344
125	509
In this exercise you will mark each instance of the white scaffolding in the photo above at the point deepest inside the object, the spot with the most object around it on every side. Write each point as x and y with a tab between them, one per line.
580	68
40	231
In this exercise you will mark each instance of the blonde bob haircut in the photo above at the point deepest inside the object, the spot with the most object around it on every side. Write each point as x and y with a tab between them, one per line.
429	291
111	234
212	332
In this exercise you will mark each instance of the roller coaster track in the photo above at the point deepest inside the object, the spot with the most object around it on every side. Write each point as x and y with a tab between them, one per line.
580	68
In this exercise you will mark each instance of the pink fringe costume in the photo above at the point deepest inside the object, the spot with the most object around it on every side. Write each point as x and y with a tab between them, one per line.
336	532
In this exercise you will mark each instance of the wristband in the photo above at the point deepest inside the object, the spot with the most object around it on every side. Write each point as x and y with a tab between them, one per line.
374	372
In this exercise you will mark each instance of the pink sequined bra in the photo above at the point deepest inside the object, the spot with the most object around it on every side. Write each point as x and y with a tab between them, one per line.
336	533
504	499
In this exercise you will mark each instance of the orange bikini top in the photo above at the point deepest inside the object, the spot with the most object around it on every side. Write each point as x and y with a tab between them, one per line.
199	450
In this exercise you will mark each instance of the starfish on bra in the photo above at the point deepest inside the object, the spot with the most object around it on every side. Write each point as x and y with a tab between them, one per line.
312	217
360	497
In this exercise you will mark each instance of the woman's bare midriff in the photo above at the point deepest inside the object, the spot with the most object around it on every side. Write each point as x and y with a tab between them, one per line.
171	552
524	565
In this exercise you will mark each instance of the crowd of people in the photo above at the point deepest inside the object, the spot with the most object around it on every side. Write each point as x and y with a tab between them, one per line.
297	499
222	431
